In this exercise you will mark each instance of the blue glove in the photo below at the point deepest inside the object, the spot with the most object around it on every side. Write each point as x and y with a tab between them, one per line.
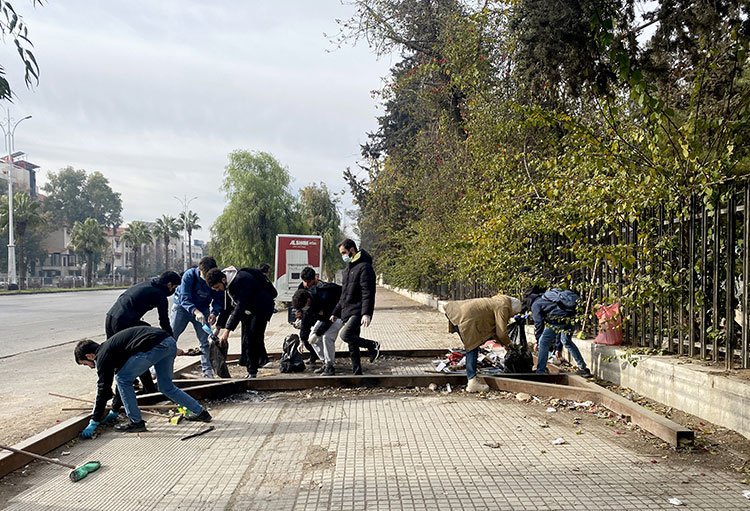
111	417
207	329
88	432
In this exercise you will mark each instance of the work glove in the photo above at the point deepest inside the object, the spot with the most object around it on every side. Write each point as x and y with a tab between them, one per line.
89	431
365	321
111	417
211	319
199	317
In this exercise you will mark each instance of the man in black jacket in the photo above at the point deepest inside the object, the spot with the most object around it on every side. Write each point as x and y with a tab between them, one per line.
252	296
134	303
357	302
124	356
316	310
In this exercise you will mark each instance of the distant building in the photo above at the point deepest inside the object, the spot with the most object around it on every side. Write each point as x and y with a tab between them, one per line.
23	172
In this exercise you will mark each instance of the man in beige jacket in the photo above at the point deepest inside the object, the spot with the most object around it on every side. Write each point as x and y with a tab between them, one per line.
479	320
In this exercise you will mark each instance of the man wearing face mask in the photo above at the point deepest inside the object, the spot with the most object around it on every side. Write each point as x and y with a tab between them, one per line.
133	304
357	302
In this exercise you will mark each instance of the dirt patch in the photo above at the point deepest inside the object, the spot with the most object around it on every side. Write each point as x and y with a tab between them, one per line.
319	458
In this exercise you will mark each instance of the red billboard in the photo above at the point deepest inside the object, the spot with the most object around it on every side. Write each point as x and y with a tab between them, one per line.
293	253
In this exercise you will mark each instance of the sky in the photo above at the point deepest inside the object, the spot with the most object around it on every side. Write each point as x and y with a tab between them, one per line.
155	95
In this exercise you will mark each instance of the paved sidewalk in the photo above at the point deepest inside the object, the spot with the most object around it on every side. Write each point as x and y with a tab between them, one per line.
400	450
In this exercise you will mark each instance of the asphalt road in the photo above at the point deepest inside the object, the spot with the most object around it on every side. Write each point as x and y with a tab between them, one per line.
33	322
36	356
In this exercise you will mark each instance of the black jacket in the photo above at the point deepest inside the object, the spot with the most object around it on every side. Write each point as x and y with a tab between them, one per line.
112	355
136	301
325	297
251	292
357	289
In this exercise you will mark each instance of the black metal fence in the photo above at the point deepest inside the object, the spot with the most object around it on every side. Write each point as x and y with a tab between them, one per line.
680	271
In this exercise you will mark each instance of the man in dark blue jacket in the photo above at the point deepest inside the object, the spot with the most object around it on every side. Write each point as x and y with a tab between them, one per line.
252	304
197	304
357	302
554	314
124	356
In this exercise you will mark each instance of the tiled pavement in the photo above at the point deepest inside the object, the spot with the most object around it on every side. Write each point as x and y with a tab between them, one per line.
390	450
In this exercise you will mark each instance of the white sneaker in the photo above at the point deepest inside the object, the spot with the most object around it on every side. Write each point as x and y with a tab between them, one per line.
209	374
475	386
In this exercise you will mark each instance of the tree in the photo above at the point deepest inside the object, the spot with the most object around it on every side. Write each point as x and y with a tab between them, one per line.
87	238
188	221
321	216
258	207
165	229
30	223
12	25
73	196
137	235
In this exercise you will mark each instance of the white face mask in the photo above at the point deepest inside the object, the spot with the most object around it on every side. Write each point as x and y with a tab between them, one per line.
346	258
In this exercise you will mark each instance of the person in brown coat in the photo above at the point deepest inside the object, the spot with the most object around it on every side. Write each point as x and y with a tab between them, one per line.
479	320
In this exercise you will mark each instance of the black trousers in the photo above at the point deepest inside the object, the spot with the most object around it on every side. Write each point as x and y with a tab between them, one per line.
350	335
253	344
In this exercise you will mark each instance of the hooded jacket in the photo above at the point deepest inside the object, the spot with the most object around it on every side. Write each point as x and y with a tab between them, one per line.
325	297
136	301
481	319
548	308
357	288
251	293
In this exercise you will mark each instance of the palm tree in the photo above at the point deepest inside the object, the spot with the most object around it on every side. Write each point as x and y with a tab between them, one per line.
87	238
189	223
27	216
136	235
166	229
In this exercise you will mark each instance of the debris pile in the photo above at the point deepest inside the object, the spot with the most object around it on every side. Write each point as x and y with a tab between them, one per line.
489	361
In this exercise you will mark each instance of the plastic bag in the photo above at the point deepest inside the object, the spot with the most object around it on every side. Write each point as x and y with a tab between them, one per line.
610	325
518	358
291	360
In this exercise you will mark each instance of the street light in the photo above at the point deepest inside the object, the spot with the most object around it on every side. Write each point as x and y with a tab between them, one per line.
9	143
185	203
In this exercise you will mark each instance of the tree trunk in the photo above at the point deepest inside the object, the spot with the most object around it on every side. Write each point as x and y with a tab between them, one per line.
89	269
135	265
166	254
190	249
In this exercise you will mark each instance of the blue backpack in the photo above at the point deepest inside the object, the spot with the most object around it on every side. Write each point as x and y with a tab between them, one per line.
566	299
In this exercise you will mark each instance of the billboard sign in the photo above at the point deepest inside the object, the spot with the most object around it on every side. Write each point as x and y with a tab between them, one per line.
293	253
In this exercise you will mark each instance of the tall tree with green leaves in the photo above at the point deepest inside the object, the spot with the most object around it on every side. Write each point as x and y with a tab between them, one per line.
259	206
87	239
320	215
136	235
30	224
188	221
73	196
166	228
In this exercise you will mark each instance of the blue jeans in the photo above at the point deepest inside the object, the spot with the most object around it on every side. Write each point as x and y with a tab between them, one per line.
547	341
471	363
161	357
180	320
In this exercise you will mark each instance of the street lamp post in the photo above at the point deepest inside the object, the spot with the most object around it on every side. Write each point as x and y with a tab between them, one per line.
185	204
9	143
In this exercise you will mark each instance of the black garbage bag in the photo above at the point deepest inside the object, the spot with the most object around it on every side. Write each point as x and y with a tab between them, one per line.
518	357
218	356
291	359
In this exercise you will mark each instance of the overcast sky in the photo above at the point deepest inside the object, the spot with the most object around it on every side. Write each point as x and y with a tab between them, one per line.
155	94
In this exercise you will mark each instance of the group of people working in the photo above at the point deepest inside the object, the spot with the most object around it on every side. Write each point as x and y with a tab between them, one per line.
206	296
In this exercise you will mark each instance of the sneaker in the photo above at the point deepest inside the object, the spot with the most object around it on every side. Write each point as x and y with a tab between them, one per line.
320	370
328	370
585	373
131	427
204	416
475	386
249	376
374	352
357	372
209	374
